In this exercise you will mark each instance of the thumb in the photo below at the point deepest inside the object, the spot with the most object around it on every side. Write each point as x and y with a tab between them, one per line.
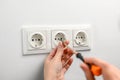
59	51
96	61
88	74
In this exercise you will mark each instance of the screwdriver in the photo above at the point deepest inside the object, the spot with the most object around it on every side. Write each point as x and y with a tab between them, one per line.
96	70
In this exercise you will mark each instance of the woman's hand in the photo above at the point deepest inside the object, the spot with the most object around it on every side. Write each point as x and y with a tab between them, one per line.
109	71
57	63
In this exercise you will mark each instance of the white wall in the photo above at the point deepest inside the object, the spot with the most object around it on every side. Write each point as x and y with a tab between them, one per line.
103	14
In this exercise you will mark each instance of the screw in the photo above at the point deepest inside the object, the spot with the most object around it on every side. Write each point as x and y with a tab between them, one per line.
35	39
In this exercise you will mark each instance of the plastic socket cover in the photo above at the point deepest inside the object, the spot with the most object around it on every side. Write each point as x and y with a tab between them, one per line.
81	39
61	35
37	40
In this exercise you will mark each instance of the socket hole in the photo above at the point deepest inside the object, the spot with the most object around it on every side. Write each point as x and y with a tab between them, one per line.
35	39
32	39
38	39
60	37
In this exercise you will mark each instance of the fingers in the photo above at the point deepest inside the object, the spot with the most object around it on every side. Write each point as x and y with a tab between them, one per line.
88	73
68	52
65	43
59	51
66	56
52	54
67	65
96	61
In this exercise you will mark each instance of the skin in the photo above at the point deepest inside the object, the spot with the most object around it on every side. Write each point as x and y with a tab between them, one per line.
109	71
59	60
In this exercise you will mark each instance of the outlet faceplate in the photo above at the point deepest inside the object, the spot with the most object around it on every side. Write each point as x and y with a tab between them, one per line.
35	40
39	39
82	39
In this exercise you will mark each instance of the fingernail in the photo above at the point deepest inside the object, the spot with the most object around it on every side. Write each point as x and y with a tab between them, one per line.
60	44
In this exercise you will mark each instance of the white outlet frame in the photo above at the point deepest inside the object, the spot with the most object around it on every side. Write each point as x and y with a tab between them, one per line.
83	43
50	31
27	31
43	45
87	31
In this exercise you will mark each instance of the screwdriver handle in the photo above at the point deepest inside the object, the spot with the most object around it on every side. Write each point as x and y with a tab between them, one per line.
96	70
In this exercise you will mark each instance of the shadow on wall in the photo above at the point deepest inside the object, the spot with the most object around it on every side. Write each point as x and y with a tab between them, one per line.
40	74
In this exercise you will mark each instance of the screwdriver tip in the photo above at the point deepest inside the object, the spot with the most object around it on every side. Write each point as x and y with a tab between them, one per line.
78	55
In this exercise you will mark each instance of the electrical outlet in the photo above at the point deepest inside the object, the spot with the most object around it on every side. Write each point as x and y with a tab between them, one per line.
81	39
61	35
39	39
35	40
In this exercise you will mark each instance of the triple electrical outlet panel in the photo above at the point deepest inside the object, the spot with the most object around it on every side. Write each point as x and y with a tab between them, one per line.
40	39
